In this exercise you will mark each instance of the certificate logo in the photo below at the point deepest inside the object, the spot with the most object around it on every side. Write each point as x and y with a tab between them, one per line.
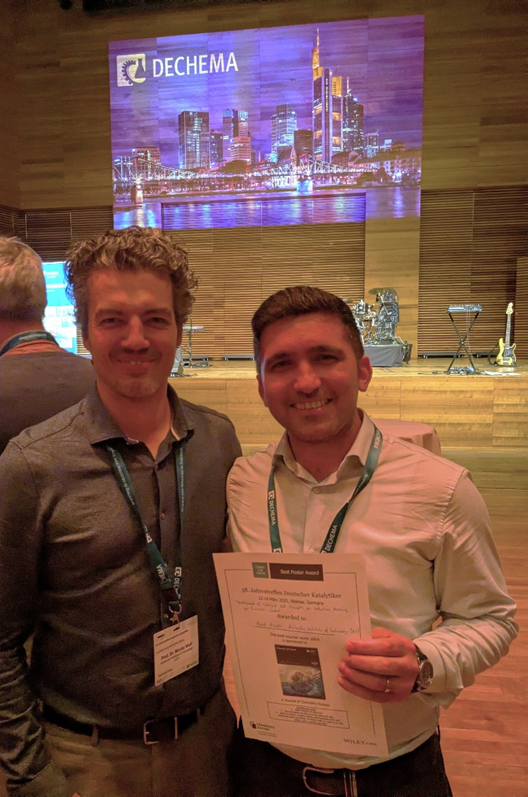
260	569
131	69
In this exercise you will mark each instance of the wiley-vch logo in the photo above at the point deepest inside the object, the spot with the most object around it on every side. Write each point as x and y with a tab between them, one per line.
131	69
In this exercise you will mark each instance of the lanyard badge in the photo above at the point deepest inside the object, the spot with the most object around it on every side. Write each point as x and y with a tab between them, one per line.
170	584
176	648
332	535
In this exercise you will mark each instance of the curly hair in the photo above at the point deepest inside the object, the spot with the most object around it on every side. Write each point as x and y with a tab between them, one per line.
22	285
133	249
302	300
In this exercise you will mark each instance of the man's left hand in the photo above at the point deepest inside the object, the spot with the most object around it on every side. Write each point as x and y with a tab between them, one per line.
382	669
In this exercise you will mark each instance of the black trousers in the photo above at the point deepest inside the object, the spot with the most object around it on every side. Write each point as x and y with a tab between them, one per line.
260	770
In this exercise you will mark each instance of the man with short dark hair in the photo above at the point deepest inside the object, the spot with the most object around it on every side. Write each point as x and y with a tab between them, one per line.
37	377
109	516
439	608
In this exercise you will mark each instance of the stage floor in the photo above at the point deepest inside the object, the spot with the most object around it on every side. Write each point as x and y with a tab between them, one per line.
432	366
481	410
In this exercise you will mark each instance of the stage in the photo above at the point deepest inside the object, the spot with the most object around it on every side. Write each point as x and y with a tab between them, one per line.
481	410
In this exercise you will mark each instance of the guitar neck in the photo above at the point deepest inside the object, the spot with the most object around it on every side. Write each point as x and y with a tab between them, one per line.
508	330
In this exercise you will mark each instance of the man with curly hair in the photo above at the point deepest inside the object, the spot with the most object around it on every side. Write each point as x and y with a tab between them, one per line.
109	515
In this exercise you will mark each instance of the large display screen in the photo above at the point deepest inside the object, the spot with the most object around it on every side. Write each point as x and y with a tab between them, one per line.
269	126
59	317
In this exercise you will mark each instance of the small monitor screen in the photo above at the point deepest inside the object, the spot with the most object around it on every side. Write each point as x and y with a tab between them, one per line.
59	317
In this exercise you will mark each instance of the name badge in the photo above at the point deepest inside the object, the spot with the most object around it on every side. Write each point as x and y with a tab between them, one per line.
175	650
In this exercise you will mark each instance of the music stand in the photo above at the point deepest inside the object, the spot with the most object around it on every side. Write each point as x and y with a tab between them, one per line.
191	329
463	339
177	367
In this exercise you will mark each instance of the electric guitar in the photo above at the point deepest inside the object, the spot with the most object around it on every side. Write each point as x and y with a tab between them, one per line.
506	355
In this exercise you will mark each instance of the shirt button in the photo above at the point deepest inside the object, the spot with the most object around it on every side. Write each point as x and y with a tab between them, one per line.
162	515
317	490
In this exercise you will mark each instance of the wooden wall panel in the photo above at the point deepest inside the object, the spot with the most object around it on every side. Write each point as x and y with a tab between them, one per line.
55	93
8	220
452	87
475	104
286	260
520	318
9	153
241	249
252	420
470	243
504	99
51	232
458	408
500	236
510	417
238	268
391	260
338	258
207	393
446	242
466	411
383	398
199	244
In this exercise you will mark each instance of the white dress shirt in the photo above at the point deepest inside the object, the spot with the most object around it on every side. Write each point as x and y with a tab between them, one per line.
424	530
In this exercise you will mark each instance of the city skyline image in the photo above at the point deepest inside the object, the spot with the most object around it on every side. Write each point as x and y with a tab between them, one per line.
304	112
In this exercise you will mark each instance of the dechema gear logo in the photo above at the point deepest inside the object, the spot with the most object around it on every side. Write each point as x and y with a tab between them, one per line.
131	69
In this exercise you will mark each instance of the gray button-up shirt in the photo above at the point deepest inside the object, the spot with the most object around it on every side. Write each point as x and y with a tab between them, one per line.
74	569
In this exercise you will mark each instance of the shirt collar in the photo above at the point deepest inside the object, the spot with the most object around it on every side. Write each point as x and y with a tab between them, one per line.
358	452
101	427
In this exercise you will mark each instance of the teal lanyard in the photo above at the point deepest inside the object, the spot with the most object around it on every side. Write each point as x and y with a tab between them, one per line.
329	544
26	337
170	585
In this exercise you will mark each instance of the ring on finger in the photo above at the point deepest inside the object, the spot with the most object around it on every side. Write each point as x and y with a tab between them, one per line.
387	686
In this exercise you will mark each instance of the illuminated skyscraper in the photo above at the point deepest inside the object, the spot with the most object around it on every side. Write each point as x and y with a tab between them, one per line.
194	139
240	149
217	148
372	146
327	109
353	130
303	142
283	127
235	125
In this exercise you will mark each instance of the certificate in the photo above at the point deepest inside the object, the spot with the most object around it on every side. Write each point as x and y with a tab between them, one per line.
288	617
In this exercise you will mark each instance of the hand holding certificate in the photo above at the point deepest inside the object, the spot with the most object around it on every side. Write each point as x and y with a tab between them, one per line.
288	619
382	669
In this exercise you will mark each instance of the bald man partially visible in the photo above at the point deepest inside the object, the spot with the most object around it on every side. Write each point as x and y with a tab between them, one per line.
38	378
